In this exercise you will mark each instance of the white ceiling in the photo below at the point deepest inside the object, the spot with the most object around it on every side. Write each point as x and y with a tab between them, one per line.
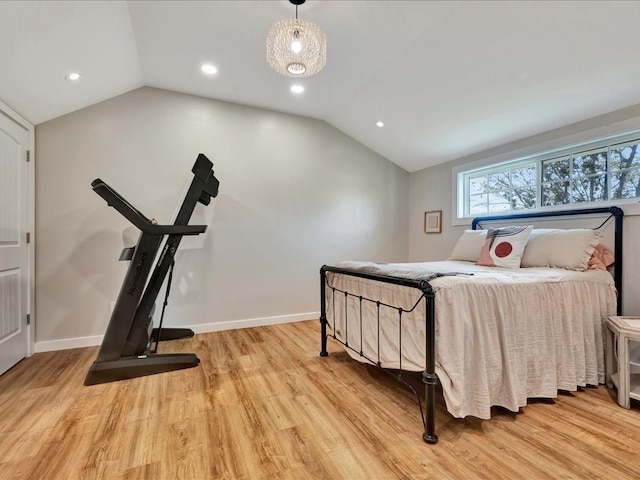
448	79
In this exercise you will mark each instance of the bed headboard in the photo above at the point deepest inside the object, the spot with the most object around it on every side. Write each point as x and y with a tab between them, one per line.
614	213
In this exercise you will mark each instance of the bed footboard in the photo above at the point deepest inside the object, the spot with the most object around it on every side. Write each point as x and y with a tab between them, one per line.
429	376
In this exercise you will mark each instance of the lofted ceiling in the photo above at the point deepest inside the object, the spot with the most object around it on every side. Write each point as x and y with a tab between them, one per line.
448	79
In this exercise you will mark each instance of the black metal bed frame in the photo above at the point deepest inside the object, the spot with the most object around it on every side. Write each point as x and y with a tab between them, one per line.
429	376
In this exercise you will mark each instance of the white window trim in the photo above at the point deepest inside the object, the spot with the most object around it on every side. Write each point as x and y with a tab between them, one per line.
632	205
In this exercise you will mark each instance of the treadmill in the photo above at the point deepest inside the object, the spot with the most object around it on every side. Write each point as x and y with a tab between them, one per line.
126	346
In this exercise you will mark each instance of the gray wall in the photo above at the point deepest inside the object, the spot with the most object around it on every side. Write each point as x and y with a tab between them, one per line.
295	193
432	189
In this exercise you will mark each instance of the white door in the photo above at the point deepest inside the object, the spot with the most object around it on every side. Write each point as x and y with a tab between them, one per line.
14	267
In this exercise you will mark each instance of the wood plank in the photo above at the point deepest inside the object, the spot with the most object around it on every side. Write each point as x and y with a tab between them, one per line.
263	404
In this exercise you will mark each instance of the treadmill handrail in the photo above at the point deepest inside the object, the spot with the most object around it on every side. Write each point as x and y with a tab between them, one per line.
140	221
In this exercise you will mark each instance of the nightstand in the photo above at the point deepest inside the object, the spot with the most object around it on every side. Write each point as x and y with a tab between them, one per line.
621	333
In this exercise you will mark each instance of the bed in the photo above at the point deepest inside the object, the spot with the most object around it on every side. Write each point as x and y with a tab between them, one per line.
516	312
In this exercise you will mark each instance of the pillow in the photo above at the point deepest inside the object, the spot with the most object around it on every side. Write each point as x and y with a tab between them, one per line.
570	249
504	246
601	259
469	245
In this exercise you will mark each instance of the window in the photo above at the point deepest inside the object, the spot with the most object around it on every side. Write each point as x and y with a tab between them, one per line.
598	172
501	189
624	166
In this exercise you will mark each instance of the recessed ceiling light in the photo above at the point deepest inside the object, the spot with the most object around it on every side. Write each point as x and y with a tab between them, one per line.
72	76
209	69
297	89
380	124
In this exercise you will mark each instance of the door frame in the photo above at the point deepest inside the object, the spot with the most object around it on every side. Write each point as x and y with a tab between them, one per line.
7	111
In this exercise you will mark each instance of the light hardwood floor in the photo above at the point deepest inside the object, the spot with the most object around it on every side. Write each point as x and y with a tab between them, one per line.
264	405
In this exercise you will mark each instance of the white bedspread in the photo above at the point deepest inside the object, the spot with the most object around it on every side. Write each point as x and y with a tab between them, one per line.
502	335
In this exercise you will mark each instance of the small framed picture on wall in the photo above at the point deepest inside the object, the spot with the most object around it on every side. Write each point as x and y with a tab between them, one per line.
433	221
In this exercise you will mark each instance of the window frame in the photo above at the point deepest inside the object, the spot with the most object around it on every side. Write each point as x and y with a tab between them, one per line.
502	162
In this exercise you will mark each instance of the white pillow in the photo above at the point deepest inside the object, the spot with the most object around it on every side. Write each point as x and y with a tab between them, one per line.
469	245
504	246
570	249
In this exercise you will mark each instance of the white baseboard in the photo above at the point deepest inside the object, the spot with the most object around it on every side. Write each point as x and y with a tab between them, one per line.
253	322
67	343
81	342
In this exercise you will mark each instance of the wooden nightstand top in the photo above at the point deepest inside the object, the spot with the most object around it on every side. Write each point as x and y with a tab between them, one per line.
626	324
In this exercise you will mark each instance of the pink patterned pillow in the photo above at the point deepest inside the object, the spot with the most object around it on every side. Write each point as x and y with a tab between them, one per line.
504	246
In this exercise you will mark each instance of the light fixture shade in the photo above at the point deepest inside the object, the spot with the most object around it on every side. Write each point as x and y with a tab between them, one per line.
296	48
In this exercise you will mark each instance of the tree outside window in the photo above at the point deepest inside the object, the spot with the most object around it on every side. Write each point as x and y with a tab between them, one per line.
607	172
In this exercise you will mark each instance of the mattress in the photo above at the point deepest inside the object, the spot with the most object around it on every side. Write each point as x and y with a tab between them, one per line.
502	335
